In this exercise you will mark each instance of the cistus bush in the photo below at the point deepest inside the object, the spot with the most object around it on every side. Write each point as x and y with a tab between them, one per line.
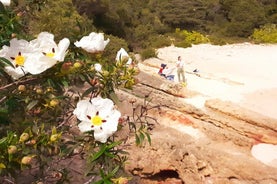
265	34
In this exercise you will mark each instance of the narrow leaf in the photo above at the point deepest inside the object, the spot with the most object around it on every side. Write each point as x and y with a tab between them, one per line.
32	104
6	61
99	153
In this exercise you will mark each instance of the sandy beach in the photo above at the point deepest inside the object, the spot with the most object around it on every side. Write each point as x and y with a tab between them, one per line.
241	73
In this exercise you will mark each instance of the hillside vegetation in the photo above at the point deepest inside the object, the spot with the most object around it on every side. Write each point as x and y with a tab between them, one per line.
138	25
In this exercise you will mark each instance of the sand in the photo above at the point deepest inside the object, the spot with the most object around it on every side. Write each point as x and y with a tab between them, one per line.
244	74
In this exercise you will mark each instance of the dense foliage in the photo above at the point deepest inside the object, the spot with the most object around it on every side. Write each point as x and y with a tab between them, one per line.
139	21
45	80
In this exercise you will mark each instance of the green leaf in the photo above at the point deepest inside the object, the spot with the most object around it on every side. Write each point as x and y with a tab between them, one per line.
6	62
99	153
137	140
32	104
114	144
142	136
114	98
2	166
148	138
65	83
108	154
3	140
114	171
88	91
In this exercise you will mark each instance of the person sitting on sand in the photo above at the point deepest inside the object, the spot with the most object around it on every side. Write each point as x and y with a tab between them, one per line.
161	69
169	73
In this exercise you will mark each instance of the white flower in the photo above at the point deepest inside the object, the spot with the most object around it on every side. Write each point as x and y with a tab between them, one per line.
98	67
45	42
93	43
18	54
122	54
6	2
35	56
98	115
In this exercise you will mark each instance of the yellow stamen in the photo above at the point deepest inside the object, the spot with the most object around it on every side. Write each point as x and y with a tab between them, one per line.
97	120
19	60
50	54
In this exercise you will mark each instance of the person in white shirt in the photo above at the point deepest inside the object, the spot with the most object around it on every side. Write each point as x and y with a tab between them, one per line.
180	70
169	73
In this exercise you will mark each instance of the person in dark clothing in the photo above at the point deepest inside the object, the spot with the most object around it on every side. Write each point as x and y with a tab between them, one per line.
161	70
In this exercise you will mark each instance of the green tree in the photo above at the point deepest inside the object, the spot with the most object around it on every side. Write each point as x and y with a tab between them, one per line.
242	16
58	17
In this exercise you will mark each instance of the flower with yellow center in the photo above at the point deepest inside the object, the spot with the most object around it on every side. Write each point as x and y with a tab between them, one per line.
99	116
19	60
46	43
51	53
35	56
17	54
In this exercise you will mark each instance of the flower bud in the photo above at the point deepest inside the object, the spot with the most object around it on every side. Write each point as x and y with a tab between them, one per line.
77	65
31	142
21	88
49	89
19	14
26	160
54	103
54	137
13	35
39	91
66	67
24	137
106	73
12	149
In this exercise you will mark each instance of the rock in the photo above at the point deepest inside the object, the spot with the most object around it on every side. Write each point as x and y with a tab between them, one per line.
191	145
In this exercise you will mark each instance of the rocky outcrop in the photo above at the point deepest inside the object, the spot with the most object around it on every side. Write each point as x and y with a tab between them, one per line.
192	145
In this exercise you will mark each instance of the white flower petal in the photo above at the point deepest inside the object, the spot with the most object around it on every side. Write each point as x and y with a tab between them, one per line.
37	63
61	50
129	61
106	110
46	43
15	73
84	108
122	54
85	126
101	136
6	2
103	105
92	43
